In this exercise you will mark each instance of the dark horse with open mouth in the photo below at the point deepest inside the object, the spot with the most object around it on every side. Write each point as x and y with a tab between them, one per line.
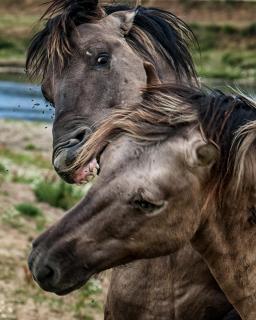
183	172
91	59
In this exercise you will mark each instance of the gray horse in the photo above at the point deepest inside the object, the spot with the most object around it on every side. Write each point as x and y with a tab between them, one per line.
86	72
186	172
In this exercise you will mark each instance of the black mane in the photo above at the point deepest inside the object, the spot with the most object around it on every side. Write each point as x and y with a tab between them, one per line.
53	43
169	35
220	115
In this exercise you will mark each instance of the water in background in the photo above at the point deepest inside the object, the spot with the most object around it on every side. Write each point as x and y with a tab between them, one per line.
23	101
19	100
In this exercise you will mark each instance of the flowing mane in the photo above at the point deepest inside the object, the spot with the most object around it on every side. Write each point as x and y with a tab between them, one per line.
154	32
228	121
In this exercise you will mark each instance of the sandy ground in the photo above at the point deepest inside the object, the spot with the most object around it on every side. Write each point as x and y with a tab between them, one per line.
20	298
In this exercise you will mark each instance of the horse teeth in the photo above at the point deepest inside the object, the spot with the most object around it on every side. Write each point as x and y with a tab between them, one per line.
92	166
95	171
89	178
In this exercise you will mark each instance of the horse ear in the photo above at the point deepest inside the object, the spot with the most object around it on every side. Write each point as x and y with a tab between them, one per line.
206	154
202	154
124	20
152	76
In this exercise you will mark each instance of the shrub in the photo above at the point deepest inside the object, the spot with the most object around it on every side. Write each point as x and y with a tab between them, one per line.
57	194
232	59
249	31
230	30
29	210
30	147
3	170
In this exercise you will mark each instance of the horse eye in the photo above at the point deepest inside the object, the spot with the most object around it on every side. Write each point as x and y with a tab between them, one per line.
145	205
102	60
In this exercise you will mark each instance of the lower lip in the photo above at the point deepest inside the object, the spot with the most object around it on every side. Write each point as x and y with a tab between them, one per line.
73	288
69	290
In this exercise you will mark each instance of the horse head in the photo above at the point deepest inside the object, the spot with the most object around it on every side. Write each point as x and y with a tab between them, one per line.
92	59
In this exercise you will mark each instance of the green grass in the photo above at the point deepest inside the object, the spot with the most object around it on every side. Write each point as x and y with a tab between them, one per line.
13	77
57	193
227	51
41	223
12	47
227	64
22	179
12	218
30	147
3	169
16	217
25	158
28	210
16	31
3	173
80	306
214	36
86	301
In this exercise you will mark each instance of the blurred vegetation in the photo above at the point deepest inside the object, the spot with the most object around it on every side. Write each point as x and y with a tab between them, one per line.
58	193
25	158
227	50
85	301
3	169
28	209
25	176
15	33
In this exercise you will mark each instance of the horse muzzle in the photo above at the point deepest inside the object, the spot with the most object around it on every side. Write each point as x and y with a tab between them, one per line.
50	277
66	152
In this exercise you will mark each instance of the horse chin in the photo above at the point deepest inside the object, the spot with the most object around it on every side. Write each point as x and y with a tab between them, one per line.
67	177
66	291
61	162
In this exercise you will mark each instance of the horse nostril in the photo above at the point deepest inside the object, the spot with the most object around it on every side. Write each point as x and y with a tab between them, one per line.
80	136
45	273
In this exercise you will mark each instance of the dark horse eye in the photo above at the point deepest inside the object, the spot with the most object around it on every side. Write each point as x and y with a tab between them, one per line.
102	60
145	205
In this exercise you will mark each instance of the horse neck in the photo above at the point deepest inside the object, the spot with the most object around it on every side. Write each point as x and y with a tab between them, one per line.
227	242
165	72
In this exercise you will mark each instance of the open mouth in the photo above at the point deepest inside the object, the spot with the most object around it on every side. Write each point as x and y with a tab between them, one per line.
87	173
98	157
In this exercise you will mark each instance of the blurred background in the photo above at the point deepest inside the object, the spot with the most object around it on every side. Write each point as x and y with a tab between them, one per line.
31	195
